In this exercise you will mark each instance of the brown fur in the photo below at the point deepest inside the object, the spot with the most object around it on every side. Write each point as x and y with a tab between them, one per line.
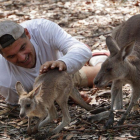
122	66
49	87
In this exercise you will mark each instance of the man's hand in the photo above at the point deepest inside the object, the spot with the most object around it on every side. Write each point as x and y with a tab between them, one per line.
51	65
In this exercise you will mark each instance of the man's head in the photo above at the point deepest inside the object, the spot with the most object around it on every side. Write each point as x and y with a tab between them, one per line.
15	45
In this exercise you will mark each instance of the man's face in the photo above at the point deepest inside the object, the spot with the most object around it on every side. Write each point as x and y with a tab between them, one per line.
21	53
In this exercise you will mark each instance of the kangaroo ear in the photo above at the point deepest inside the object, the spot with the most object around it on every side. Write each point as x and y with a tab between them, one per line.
127	49
20	89
112	46
37	90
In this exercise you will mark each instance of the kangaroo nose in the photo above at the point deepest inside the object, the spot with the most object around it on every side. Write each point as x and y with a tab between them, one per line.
96	82
21	116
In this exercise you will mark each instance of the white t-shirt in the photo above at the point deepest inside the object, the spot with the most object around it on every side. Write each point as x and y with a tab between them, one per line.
51	42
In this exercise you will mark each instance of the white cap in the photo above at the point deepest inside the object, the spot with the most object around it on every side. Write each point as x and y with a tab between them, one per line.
11	28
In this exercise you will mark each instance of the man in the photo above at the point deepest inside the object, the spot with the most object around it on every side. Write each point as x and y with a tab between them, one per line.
33	48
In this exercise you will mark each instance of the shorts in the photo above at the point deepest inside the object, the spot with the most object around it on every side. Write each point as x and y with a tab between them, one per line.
80	79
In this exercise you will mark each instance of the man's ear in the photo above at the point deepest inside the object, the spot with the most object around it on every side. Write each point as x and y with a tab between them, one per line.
27	33
20	89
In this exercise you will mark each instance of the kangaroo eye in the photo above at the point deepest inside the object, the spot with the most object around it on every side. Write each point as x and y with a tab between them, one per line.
28	105
109	69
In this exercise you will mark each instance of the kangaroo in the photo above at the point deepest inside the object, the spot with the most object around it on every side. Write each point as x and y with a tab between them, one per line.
122	66
49	87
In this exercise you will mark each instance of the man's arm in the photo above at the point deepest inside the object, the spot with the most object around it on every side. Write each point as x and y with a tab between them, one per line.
76	53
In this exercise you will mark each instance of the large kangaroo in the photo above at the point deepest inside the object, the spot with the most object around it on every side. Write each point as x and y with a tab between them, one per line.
49	87
122	66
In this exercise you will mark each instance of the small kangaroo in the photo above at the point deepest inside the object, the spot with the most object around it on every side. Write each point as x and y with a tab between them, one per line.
122	66
49	87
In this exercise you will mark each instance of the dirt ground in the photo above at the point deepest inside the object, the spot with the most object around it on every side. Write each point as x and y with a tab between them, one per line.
90	21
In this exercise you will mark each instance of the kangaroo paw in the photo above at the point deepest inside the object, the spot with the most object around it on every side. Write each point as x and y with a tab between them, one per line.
29	131
55	132
110	122
121	121
35	130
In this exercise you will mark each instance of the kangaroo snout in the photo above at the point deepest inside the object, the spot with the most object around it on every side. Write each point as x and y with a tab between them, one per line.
101	82
22	115
96	82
